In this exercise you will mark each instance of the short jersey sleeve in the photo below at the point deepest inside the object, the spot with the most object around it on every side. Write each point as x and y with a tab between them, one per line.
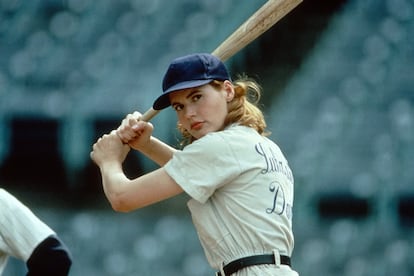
204	166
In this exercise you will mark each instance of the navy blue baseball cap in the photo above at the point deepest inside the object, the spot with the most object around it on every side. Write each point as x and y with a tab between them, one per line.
190	71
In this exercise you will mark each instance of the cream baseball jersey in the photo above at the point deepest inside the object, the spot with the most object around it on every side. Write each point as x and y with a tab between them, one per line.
241	187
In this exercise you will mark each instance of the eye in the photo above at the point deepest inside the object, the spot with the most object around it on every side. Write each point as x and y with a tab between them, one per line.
196	97
178	107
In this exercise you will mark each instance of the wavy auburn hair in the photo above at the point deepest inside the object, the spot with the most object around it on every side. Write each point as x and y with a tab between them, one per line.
242	110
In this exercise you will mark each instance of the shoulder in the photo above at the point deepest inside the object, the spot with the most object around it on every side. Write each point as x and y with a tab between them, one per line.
237	136
224	140
232	133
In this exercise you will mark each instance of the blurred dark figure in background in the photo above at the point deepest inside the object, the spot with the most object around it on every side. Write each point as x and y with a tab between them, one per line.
24	236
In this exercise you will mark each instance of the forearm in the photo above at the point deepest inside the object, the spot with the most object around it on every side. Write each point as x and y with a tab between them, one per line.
114	183
158	151
131	194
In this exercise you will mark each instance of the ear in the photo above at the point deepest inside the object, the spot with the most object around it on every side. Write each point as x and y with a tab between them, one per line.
229	90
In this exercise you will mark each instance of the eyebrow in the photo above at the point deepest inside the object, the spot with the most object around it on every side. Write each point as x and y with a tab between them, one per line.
193	91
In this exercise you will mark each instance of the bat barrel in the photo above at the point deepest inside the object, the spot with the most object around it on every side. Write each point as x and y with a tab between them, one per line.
264	18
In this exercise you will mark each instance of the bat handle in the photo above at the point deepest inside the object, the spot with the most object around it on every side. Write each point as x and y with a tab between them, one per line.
149	114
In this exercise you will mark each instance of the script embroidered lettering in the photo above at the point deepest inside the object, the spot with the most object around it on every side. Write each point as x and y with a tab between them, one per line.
272	164
279	200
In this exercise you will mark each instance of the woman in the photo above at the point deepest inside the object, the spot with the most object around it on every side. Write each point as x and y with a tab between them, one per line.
240	184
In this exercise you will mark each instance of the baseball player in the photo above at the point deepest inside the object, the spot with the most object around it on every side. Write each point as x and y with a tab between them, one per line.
26	237
240	183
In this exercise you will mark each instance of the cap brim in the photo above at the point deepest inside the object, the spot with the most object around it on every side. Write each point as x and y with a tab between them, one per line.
163	101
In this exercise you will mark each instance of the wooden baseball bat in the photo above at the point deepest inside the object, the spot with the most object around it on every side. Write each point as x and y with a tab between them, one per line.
264	18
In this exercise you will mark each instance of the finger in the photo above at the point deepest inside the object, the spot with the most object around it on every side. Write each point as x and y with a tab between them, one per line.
113	133
128	130
125	135
132	122
139	127
136	115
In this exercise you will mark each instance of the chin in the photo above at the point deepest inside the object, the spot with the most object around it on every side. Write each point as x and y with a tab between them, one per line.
199	135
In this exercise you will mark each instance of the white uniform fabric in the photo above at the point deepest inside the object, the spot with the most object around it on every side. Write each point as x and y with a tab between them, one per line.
242	196
20	230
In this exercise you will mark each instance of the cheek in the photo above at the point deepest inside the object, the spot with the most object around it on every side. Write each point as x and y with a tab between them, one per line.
216	113
181	119
208	112
221	108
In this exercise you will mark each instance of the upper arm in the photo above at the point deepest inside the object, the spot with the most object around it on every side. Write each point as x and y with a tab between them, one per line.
146	190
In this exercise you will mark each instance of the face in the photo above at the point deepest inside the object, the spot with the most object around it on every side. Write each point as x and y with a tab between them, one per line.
202	109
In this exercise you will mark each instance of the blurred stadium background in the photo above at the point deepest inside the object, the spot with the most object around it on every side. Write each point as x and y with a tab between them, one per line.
338	79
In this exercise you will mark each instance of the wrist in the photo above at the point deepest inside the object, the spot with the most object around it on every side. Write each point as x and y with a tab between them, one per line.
111	167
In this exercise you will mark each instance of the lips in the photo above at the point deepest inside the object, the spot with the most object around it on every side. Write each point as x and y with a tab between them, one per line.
196	125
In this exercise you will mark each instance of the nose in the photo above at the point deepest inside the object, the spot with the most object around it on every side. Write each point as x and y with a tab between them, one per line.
189	111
